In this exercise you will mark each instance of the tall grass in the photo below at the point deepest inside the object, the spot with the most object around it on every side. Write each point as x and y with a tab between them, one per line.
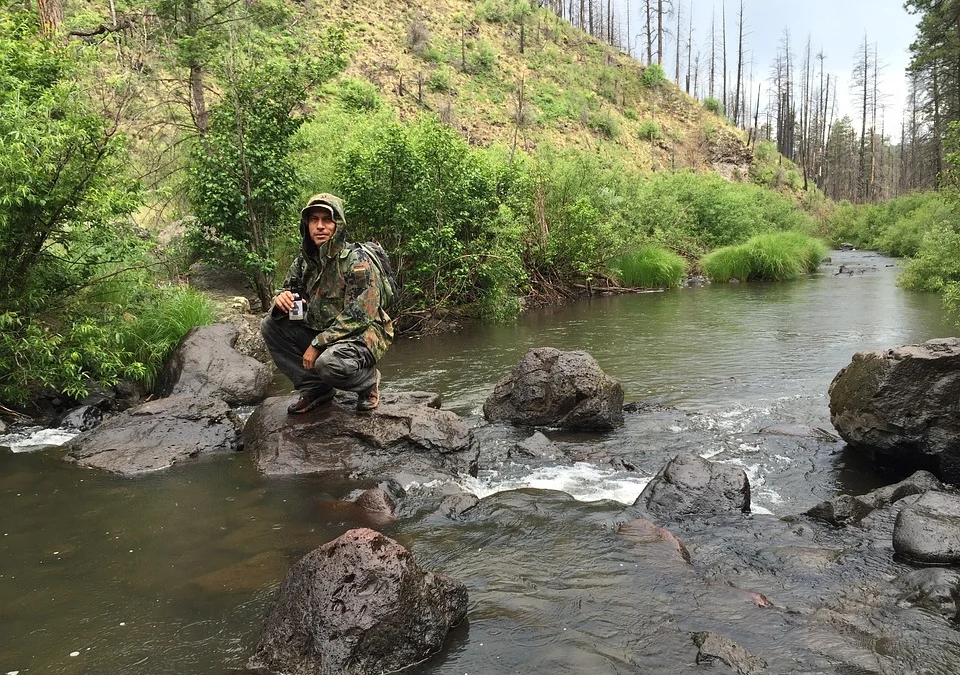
649	267
778	256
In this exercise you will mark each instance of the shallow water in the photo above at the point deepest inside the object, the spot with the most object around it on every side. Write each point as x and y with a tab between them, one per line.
174	572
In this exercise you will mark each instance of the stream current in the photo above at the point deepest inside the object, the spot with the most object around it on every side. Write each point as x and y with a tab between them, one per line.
174	572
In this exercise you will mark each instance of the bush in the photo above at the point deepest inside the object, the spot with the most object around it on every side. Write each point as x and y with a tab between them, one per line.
653	76
481	58
937	264
649	267
418	37
604	124
649	130
713	105
439	80
358	95
768	257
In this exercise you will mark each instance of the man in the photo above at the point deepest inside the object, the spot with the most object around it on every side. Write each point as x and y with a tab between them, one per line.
344	330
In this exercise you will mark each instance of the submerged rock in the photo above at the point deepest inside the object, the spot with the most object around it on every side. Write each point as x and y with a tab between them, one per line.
714	646
691	484
928	531
401	437
557	388
537	446
358	605
899	406
851	509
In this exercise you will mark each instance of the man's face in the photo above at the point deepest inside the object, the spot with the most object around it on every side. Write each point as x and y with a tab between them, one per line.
320	226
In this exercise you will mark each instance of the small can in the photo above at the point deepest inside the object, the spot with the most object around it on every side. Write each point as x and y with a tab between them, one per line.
296	312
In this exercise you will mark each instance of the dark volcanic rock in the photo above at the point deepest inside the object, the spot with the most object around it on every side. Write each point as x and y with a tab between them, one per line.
899	406
537	446
928	531
358	605
156	435
850	509
82	418
205	364
404	438
690	484
555	388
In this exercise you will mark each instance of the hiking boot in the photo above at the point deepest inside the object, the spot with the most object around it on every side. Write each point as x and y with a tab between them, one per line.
308	402
368	399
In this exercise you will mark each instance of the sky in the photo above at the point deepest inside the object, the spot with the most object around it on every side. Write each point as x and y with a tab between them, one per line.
835	27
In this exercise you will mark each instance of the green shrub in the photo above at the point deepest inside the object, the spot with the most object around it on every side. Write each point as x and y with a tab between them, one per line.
649	267
725	264
603	123
777	256
439	80
492	11
713	105
936	266
481	57
649	130
631	114
358	95
653	76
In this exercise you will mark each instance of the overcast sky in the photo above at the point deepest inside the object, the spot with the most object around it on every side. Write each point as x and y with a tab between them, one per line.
835	27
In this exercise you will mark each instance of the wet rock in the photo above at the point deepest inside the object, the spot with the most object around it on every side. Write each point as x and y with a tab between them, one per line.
100	397
713	646
82	418
798	431
898	406
690	484
641	531
205	364
537	446
250	340
557	388
933	588
3	427
456	506
156	435
647	407
403	438
128	394
357	605
379	504
850	509
928	531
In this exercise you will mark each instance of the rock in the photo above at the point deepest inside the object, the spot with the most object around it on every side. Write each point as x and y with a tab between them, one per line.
82	418
537	446
101	398
357	605
798	431
898	406
404	438
250	340
156	435
933	588
690	484
379	503
556	388
642	531
928	531
849	509
713	646
128	394
205	364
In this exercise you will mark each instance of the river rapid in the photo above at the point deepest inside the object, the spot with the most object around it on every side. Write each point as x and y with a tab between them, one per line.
174	572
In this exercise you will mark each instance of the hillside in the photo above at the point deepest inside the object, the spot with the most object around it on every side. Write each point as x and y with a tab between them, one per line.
463	60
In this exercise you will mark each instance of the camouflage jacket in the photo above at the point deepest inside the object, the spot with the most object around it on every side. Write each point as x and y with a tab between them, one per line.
342	287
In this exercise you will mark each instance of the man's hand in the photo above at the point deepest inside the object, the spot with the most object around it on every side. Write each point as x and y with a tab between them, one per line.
310	357
284	301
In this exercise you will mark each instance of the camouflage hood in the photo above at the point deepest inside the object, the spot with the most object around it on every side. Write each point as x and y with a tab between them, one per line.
330	248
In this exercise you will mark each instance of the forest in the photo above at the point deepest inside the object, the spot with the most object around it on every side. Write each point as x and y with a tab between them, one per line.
139	138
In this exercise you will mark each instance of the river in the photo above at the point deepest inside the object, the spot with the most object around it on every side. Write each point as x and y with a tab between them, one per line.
174	572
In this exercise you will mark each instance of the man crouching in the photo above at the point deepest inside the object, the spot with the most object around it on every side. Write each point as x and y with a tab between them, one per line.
327	328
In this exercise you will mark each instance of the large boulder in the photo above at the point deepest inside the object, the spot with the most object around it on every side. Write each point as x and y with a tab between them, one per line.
156	435
403	439
928	531
690	484
358	605
899	406
205	364
555	388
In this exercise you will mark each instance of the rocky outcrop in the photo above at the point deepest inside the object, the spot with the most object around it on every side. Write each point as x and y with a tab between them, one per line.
715	646
358	605
204	377
689	484
928	531
556	388
403	437
851	509
205	364
899	406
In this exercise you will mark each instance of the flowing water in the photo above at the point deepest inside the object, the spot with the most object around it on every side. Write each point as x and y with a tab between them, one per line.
174	572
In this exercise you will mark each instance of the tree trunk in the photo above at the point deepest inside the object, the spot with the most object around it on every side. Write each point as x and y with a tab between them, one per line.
736	103
51	17
660	32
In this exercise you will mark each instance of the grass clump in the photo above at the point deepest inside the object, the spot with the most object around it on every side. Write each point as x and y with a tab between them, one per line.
653	76
649	130
778	256
649	267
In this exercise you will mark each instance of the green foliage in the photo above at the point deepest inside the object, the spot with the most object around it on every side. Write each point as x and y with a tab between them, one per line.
604	123
439	80
244	184
653	76
714	105
481	57
936	266
649	267
358	95
649	131
777	256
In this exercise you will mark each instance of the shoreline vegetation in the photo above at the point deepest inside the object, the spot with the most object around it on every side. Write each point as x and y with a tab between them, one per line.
95	290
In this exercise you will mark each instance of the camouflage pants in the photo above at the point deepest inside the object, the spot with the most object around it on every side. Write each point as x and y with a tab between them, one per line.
343	365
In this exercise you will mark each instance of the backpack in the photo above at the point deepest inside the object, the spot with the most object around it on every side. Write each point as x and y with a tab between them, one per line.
389	291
